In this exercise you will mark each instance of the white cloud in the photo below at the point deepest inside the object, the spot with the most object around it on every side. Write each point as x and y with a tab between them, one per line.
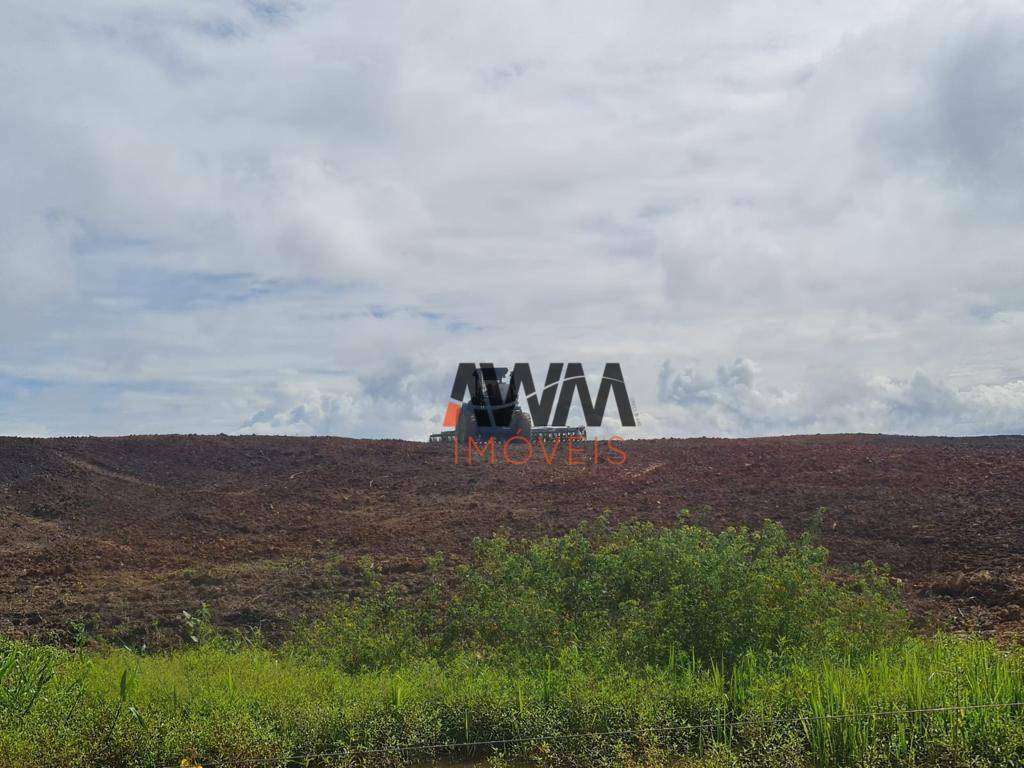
224	216
734	402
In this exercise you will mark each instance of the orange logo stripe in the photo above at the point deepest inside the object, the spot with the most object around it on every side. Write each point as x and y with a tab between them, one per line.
451	416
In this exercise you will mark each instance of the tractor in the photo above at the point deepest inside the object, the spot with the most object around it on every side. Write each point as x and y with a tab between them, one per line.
493	410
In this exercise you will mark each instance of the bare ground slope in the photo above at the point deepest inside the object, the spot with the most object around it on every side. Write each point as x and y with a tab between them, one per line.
117	535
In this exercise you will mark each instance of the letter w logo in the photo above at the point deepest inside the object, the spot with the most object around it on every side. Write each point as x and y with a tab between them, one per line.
563	382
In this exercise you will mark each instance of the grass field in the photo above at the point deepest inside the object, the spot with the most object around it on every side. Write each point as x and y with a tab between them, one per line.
607	646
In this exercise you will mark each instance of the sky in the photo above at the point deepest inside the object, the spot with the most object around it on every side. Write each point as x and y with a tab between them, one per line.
299	217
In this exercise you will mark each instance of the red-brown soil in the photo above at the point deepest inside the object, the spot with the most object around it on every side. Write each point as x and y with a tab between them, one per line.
116	536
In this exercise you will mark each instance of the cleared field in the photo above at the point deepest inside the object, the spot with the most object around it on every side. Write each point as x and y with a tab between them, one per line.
116	536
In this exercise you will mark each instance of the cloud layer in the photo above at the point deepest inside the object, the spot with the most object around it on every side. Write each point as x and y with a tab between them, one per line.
299	217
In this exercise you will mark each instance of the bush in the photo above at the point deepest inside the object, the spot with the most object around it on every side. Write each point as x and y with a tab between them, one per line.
638	594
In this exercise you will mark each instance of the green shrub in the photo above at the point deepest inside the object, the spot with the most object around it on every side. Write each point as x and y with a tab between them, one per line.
638	594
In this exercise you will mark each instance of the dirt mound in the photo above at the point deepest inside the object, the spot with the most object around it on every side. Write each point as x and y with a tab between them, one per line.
118	535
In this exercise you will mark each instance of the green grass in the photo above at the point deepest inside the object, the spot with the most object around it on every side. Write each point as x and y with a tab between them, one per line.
681	647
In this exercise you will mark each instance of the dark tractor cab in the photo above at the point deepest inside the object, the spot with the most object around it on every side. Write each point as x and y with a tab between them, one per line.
493	409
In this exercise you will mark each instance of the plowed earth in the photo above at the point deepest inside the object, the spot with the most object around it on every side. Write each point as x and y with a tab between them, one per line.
116	536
